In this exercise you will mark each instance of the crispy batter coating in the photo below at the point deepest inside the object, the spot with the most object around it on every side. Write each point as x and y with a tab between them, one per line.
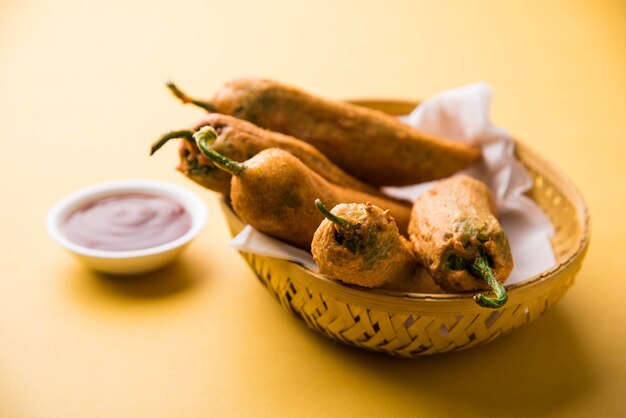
198	168
275	193
369	253
240	140
370	145
451	225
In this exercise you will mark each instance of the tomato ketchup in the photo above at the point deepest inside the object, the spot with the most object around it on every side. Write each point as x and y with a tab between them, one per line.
127	222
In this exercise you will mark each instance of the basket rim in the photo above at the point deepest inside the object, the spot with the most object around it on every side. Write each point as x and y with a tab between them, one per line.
385	297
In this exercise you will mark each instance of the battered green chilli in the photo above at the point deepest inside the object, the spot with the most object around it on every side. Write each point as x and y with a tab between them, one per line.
368	144
274	192
457	238
193	164
360	244
240	140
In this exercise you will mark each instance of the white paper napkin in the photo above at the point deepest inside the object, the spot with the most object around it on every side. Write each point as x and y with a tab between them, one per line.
462	115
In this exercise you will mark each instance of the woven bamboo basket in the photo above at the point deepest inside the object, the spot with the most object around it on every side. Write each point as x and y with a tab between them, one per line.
412	324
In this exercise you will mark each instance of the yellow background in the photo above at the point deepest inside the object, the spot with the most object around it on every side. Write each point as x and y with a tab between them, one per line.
82	98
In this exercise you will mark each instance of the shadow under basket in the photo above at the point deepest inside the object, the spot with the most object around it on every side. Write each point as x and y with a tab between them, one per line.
415	324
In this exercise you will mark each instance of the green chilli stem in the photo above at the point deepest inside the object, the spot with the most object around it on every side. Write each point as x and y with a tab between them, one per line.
342	223
482	269
182	96
184	134
204	138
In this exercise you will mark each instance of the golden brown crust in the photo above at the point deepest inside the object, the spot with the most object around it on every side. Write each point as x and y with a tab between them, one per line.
240	140
371	255
455	221
276	193
368	144
198	168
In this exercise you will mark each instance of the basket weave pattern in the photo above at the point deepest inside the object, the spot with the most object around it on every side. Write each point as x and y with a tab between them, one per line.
410	325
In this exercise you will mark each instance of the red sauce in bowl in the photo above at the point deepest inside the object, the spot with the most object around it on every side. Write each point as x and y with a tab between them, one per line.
127	222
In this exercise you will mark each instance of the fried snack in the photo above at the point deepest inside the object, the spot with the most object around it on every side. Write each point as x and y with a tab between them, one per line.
360	244
274	192
368	144
240	140
457	238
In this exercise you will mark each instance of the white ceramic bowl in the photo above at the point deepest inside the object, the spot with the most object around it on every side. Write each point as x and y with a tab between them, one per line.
135	261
